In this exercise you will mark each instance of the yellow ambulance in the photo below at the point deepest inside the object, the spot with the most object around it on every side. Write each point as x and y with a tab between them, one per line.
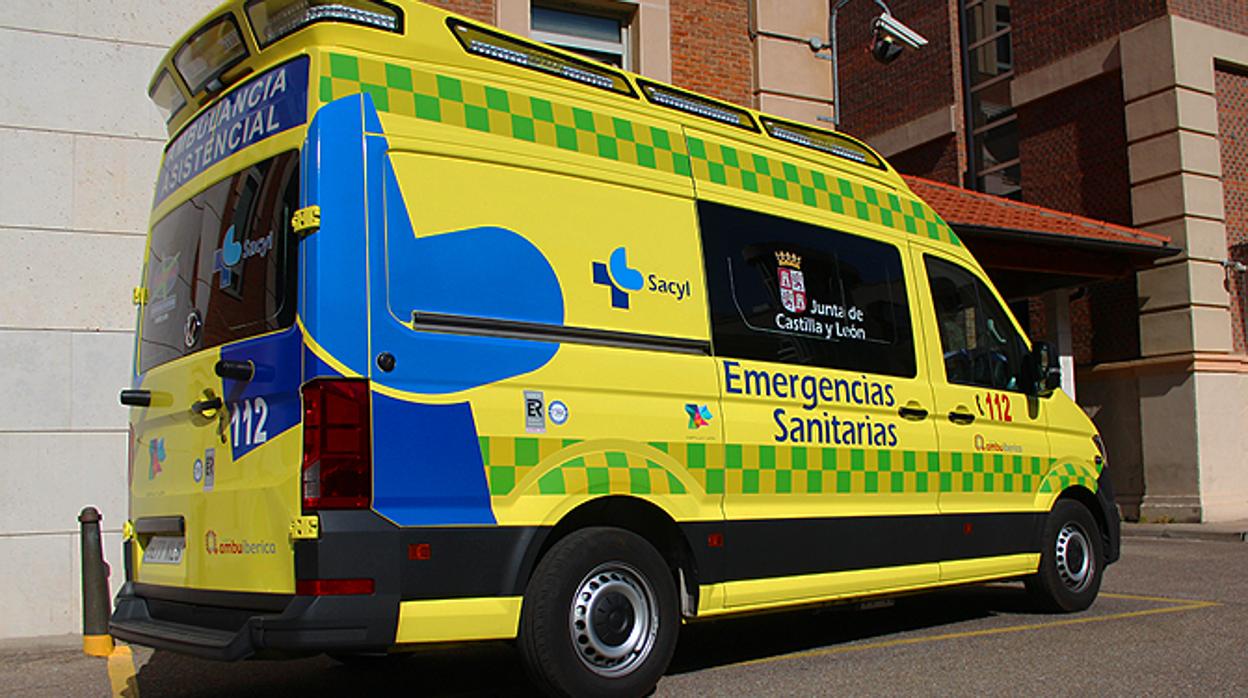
445	335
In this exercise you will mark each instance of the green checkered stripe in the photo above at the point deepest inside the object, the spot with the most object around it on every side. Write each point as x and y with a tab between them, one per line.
509	460
1065	476
766	469
446	100
732	167
401	90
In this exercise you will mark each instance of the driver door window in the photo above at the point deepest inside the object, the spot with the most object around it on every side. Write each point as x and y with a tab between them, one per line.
979	344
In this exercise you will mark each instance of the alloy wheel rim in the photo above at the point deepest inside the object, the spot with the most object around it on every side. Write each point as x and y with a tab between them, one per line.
613	619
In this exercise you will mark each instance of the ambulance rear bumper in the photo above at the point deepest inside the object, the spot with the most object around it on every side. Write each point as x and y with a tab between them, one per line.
233	626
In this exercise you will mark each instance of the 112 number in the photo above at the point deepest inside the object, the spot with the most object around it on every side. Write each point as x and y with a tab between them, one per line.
999	407
247	420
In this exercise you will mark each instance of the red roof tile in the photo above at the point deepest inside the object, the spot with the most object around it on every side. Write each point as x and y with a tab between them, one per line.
960	206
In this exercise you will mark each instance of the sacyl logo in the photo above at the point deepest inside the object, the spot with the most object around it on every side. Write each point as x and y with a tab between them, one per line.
623	279
233	252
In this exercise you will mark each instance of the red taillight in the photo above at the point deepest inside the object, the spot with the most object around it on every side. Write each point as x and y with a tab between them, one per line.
337	456
333	587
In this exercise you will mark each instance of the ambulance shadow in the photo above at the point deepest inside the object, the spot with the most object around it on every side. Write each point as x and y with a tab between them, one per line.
495	669
487	670
731	641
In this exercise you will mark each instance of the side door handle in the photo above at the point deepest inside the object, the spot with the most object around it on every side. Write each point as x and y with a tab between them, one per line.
912	412
961	415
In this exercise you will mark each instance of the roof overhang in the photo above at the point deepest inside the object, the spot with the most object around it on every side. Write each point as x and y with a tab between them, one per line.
1030	249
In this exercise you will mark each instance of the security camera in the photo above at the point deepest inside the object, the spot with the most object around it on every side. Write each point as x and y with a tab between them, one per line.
889	27
888	36
884	49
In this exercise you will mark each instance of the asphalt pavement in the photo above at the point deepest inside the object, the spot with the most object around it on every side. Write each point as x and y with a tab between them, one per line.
1172	620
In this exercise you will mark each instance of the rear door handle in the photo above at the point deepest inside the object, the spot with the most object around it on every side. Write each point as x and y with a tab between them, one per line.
912	413
959	416
136	398
208	405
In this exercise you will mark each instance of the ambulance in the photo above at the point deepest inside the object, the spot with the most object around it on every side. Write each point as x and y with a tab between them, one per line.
445	335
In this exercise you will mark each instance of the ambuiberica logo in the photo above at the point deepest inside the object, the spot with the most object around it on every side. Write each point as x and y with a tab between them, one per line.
623	280
217	545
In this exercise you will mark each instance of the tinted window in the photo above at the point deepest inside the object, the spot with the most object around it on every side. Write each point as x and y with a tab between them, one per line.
980	345
786	291
222	265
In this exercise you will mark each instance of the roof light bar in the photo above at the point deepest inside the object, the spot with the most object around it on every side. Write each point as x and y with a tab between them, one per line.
275	19
166	95
823	141
697	105
498	47
214	49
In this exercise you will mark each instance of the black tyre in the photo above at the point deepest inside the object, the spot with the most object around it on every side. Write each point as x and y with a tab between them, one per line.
1071	560
600	616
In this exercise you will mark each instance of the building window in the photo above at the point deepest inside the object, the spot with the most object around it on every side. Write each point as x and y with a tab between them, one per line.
594	32
988	61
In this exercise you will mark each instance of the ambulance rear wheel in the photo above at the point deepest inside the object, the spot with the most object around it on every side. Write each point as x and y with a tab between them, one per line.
600	616
1071	560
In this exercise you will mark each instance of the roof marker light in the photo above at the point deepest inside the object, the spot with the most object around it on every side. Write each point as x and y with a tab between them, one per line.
499	47
701	106
274	19
823	141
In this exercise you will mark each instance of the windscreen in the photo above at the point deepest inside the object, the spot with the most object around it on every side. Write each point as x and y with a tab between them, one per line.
221	267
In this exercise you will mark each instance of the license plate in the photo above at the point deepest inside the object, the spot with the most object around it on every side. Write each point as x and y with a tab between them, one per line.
164	550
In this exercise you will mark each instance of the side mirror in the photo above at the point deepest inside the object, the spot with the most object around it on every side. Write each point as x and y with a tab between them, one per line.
1046	369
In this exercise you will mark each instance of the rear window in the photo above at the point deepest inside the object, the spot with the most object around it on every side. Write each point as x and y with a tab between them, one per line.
221	266
795	293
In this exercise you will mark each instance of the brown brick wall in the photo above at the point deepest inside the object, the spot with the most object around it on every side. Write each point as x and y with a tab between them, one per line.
1114	312
1047	31
936	160
711	48
879	97
481	10
1073	150
1231	90
1227	14
1104	322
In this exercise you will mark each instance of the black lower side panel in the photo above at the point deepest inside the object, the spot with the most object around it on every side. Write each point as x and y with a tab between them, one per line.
787	547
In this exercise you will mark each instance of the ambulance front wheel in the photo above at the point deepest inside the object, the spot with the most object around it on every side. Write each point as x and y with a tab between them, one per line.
599	616
1071	560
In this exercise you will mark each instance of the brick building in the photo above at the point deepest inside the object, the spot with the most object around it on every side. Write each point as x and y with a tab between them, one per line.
1130	112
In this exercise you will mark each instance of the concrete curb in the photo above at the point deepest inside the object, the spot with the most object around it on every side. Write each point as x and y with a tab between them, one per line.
1185	532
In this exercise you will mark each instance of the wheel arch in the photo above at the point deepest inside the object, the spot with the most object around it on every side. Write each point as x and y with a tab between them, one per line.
637	516
1090	502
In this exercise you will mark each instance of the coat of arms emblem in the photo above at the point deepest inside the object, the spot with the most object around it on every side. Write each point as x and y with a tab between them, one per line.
792	282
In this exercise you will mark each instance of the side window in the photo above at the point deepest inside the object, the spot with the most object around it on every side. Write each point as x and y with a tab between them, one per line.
980	345
786	291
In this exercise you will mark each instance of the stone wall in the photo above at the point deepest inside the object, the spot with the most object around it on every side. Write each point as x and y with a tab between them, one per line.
81	146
